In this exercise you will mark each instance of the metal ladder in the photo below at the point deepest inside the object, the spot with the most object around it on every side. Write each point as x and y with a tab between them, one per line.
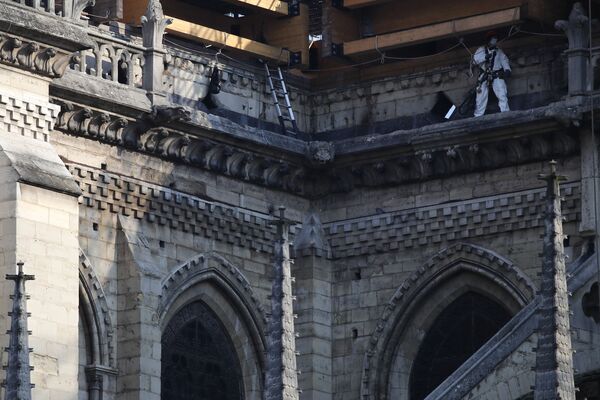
279	92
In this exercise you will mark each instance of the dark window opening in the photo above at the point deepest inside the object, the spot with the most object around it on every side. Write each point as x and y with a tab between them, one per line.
198	358
458	332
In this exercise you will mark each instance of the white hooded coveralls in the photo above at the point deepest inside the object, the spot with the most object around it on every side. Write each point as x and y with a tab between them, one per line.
498	84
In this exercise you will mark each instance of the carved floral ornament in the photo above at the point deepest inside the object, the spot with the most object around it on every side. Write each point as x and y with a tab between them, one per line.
321	172
33	56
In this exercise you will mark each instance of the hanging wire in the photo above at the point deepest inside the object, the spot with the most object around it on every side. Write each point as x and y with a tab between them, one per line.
381	54
514	30
594	148
427	56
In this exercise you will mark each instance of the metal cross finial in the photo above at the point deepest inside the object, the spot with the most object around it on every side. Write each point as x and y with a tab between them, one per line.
18	369
554	363
281	213
553	166
552	175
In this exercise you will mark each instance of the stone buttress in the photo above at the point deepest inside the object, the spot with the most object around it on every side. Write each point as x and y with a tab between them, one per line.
554	355
281	380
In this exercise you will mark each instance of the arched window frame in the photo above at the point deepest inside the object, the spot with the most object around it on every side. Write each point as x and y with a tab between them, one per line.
212	279
98	328
408	314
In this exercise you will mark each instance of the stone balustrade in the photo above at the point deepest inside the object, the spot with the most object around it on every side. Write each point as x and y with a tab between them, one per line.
71	9
111	59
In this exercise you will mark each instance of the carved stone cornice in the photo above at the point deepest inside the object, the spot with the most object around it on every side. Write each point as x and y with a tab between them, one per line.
451	160
146	135
33	56
320	170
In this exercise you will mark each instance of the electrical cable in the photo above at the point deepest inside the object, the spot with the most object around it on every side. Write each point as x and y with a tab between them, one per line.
382	56
594	148
427	56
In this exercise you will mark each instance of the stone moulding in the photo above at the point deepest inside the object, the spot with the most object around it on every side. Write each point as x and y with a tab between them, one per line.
146	135
155	204
217	270
480	260
318	171
95	299
374	234
33	56
453	159
449	222
198	268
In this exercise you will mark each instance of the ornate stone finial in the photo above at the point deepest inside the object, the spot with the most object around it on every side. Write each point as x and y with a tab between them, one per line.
281	378
576	27
554	356
79	6
154	24
18	380
312	237
577	30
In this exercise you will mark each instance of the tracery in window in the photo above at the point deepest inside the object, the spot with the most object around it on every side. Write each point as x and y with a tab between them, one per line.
458	332
199	361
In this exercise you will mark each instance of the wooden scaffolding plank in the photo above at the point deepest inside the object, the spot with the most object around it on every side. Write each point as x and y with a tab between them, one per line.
270	6
362	3
215	37
393	16
432	32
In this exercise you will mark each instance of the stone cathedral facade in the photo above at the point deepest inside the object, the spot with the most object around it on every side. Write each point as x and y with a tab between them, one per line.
186	246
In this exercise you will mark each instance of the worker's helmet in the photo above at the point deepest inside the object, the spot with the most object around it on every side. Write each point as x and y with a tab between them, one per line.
490	35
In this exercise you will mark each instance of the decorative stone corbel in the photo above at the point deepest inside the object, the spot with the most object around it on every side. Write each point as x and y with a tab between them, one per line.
33	56
321	153
154	24
79	6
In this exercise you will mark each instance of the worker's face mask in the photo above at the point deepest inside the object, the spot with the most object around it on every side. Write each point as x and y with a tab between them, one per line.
493	42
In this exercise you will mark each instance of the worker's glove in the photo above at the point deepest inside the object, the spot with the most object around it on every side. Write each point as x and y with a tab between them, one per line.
506	73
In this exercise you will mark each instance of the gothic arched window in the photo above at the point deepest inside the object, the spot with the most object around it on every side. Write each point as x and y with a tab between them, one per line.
458	332
199	361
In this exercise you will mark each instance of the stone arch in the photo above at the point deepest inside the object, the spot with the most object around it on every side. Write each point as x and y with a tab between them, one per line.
474	264
95	309
214	281
98	332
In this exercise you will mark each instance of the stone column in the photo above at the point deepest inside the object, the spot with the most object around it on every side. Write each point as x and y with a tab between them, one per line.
577	30
153	29
281	380
554	354
138	330
314	306
590	184
39	224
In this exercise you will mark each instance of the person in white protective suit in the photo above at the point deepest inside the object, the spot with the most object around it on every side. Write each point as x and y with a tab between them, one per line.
494	69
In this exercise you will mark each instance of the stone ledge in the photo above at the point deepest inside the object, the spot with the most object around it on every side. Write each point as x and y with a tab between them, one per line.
461	220
36	163
43	27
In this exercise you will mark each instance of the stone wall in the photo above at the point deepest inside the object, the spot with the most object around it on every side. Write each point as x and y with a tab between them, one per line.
361	107
163	214
404	101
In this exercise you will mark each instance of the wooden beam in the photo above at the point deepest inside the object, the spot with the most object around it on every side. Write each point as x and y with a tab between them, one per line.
271	6
362	3
392	16
218	38
441	30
